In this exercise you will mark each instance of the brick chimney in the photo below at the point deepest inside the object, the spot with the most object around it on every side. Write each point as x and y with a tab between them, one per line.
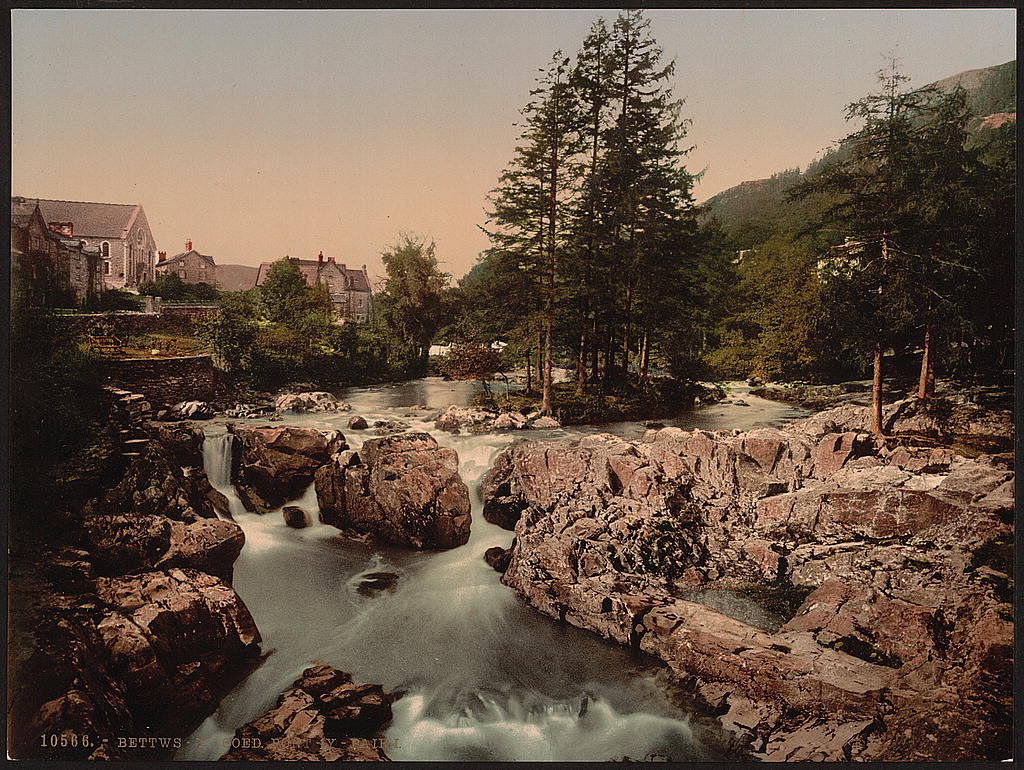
320	259
67	229
331	260
161	256
188	245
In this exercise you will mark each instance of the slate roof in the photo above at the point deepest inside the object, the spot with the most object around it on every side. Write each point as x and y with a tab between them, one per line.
90	220
310	268
21	212
359	280
179	257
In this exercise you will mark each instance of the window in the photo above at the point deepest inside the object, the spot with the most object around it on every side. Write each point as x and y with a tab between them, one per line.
106	265
105	249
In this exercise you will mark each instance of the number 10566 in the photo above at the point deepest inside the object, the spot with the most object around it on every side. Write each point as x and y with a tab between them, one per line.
64	740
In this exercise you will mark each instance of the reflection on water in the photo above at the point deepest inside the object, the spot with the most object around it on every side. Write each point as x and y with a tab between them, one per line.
482	676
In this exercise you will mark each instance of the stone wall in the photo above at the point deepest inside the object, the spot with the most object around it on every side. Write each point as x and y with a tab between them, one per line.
119	324
166	380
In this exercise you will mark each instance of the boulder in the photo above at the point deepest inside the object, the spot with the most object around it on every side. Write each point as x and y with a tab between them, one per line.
387	427
323	717
295	517
403	489
497	558
278	463
373	583
456	418
314	401
207	545
546	422
193	410
509	421
357	423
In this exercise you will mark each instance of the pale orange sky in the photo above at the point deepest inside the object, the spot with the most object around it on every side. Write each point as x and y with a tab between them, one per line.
261	133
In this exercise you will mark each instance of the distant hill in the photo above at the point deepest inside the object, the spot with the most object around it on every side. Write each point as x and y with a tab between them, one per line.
236	277
751	211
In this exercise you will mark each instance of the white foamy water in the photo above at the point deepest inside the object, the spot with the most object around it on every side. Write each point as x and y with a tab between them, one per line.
479	675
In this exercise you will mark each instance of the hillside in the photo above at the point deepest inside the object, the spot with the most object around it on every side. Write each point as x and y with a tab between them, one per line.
236	277
751	211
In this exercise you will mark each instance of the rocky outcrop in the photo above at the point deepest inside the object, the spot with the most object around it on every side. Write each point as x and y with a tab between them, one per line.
278	463
314	401
135	629
900	652
357	423
152	652
403	489
323	717
131	526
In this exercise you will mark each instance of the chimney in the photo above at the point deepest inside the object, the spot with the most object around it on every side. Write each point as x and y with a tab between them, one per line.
66	229
188	245
331	260
320	258
161	256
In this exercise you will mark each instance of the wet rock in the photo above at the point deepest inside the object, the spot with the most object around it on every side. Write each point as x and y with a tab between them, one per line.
372	583
653	424
546	422
193	410
207	545
456	418
387	427
323	717
403	489
314	401
509	421
497	558
357	423
295	517
278	464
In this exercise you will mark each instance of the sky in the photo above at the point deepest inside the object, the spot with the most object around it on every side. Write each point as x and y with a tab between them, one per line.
262	133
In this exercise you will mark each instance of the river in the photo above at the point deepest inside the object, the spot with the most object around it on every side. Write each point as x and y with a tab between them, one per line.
480	676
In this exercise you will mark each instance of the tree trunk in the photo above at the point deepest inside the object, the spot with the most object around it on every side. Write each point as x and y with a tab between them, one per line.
540	354
581	362
926	384
529	381
876	391
643	359
628	330
595	368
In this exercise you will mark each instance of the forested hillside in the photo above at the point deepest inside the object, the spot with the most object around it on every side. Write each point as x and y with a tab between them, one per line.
951	206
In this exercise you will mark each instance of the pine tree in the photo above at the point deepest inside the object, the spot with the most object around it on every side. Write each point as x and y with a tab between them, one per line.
531	206
877	182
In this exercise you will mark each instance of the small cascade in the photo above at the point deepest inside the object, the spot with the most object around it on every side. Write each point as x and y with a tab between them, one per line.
217	451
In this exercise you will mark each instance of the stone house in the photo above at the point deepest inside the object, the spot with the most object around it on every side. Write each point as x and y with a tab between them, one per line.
48	267
119	230
190	265
349	287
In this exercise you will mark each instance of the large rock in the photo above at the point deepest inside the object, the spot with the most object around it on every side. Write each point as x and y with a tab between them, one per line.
402	489
904	607
455	419
193	410
315	401
323	717
278	463
208	545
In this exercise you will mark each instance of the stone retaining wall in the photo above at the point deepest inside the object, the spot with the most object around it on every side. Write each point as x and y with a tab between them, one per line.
166	381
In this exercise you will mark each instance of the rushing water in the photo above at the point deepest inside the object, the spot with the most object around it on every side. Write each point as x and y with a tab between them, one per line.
480	675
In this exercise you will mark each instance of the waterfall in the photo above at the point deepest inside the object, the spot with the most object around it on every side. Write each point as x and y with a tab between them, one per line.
217	451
